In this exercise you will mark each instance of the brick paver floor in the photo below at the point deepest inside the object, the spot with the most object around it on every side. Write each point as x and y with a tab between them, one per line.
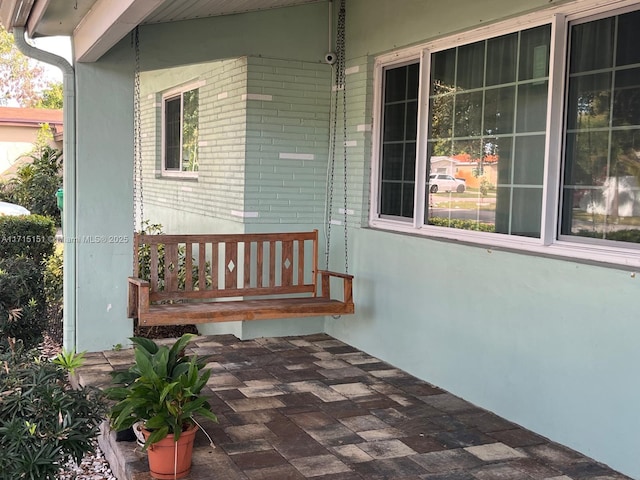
313	407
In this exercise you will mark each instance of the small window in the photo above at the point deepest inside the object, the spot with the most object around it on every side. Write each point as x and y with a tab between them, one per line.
399	133
180	132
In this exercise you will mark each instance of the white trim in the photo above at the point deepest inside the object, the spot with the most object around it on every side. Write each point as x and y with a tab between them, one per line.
106	24
558	16
565	249
177	174
183	88
422	132
241	214
555	122
296	156
257	96
167	95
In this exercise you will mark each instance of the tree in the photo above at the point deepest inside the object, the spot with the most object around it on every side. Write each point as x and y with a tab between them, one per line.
36	183
21	79
52	97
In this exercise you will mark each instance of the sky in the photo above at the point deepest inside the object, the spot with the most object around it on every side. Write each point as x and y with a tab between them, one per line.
58	45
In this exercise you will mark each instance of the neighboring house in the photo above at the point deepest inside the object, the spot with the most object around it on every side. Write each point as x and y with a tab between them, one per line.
19	132
442	164
535	321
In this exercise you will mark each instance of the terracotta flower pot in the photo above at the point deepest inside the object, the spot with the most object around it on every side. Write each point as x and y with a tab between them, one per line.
169	459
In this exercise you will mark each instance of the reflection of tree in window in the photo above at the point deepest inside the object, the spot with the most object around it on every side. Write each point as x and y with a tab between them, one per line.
601	196
487	109
190	131
181	132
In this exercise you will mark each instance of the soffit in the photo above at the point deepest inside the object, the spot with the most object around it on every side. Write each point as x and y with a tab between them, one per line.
61	17
172	11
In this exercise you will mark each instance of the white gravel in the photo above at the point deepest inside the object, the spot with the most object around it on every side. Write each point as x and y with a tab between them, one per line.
92	467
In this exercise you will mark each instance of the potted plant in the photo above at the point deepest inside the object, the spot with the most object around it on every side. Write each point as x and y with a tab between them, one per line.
162	391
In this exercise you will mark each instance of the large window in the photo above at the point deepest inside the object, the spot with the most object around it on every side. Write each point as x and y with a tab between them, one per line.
601	195
180	131
488	152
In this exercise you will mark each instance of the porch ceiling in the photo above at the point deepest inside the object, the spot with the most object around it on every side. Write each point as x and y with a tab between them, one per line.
63	17
171	10
97	25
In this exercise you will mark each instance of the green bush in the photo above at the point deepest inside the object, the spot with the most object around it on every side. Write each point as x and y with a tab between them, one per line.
632	236
462	224
22	301
32	236
43	422
53	293
36	183
144	261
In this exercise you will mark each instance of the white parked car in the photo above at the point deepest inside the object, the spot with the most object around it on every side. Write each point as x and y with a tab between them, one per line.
441	182
12	209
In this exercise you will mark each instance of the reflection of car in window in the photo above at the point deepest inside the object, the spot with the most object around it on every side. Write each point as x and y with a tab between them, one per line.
446	183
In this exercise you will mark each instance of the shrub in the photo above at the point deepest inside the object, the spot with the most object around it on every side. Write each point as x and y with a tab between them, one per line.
22	301
53	294
462	224
32	236
43	422
144	261
629	235
36	183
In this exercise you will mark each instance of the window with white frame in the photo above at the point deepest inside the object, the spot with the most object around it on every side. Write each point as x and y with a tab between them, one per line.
180	131
484	158
601	194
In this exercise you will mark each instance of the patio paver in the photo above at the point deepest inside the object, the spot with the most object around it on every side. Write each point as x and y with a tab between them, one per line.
314	407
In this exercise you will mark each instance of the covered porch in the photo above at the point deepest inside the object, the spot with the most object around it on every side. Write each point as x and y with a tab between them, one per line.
530	319
314	407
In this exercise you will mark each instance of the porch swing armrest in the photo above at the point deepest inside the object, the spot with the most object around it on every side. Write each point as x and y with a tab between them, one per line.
325	282
138	297
335	274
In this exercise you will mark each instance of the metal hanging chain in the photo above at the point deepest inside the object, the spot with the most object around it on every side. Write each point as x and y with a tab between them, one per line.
340	88
137	148
137	133
342	58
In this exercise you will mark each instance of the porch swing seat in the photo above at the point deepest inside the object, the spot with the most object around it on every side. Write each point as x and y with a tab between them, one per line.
192	279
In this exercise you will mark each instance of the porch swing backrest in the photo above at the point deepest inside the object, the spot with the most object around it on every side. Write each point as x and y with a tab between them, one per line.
226	277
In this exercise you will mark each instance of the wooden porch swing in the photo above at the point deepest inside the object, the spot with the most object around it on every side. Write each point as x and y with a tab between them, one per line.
191	279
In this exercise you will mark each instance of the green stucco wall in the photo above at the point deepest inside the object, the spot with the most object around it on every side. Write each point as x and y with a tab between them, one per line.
547	343
218	190
104	211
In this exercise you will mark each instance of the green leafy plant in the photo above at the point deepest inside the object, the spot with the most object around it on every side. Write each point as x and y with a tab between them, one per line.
22	301
36	183
462	224
69	360
53	290
43	422
144	261
30	236
162	389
